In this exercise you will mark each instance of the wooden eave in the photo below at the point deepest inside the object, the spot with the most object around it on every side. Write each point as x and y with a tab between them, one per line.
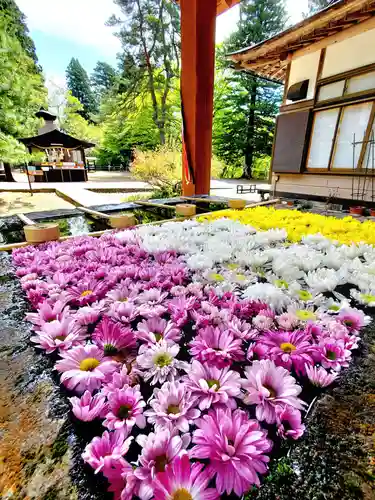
222	5
269	59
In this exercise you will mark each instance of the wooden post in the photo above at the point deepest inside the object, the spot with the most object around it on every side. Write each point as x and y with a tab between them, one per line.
198	23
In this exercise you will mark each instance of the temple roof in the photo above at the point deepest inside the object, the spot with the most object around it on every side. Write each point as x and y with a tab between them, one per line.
55	138
46	115
269	59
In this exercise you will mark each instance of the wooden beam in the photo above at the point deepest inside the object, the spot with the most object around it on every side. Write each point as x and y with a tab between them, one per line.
286	85
302	29
198	23
338	37
26	220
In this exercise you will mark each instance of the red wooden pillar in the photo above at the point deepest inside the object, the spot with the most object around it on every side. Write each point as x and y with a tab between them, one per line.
198	22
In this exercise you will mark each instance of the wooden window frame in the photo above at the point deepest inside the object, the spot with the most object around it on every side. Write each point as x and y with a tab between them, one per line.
342	102
359	169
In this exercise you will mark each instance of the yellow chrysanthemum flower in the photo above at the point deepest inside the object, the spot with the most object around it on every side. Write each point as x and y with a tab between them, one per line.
298	224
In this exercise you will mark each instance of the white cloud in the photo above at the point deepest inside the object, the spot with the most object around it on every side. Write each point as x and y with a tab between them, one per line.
80	21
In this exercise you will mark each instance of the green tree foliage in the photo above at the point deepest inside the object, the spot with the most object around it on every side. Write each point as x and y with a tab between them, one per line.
73	123
16	26
103	78
79	85
22	94
316	5
245	105
150	39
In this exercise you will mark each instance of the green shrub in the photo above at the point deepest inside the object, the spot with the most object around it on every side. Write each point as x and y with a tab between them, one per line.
162	169
261	167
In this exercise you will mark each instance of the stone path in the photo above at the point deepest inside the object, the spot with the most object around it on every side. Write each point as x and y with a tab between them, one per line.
81	193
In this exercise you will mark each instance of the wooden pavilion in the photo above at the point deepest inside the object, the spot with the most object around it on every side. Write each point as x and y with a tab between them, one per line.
64	155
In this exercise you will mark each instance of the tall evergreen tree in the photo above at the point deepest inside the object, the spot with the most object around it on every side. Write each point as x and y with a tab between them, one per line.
251	104
79	85
103	78
22	94
150	39
16	26
316	5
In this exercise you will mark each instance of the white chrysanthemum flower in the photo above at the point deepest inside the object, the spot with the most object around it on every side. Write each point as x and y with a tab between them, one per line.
350	251
287	269
333	259
126	236
317	240
265	292
158	362
200	261
323	280
367	299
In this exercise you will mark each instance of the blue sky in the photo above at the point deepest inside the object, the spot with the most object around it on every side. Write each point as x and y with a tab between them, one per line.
62	29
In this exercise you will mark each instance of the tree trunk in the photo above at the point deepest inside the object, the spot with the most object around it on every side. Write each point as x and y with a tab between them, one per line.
161	127
249	151
8	173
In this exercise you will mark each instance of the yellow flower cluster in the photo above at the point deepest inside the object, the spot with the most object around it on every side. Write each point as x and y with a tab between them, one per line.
297	224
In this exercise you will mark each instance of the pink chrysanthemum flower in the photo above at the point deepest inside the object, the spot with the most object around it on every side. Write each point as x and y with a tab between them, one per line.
289	349
257	352
211	385
262	322
121	293
319	376
216	347
124	485
124	312
152	297
84	368
60	335
172	404
241	329
158	362
105	454
268	386
337	331
88	407
184	481
178	291
87	315
287	321
118	381
154	330
113	337
179	308
148	311
333	354
235	446
158	450
47	313
125	409
87	291
247	309
353	319
288	421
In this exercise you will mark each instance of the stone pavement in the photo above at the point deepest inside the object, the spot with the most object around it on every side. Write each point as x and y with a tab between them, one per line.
80	193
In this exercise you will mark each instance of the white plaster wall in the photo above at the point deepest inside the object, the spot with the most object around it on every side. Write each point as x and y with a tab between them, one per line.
305	68
349	54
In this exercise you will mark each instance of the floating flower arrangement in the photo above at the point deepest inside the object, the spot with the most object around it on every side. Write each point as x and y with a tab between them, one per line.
198	346
298	224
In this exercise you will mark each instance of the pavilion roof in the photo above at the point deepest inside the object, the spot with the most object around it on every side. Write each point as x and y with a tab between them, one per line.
55	138
269	59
